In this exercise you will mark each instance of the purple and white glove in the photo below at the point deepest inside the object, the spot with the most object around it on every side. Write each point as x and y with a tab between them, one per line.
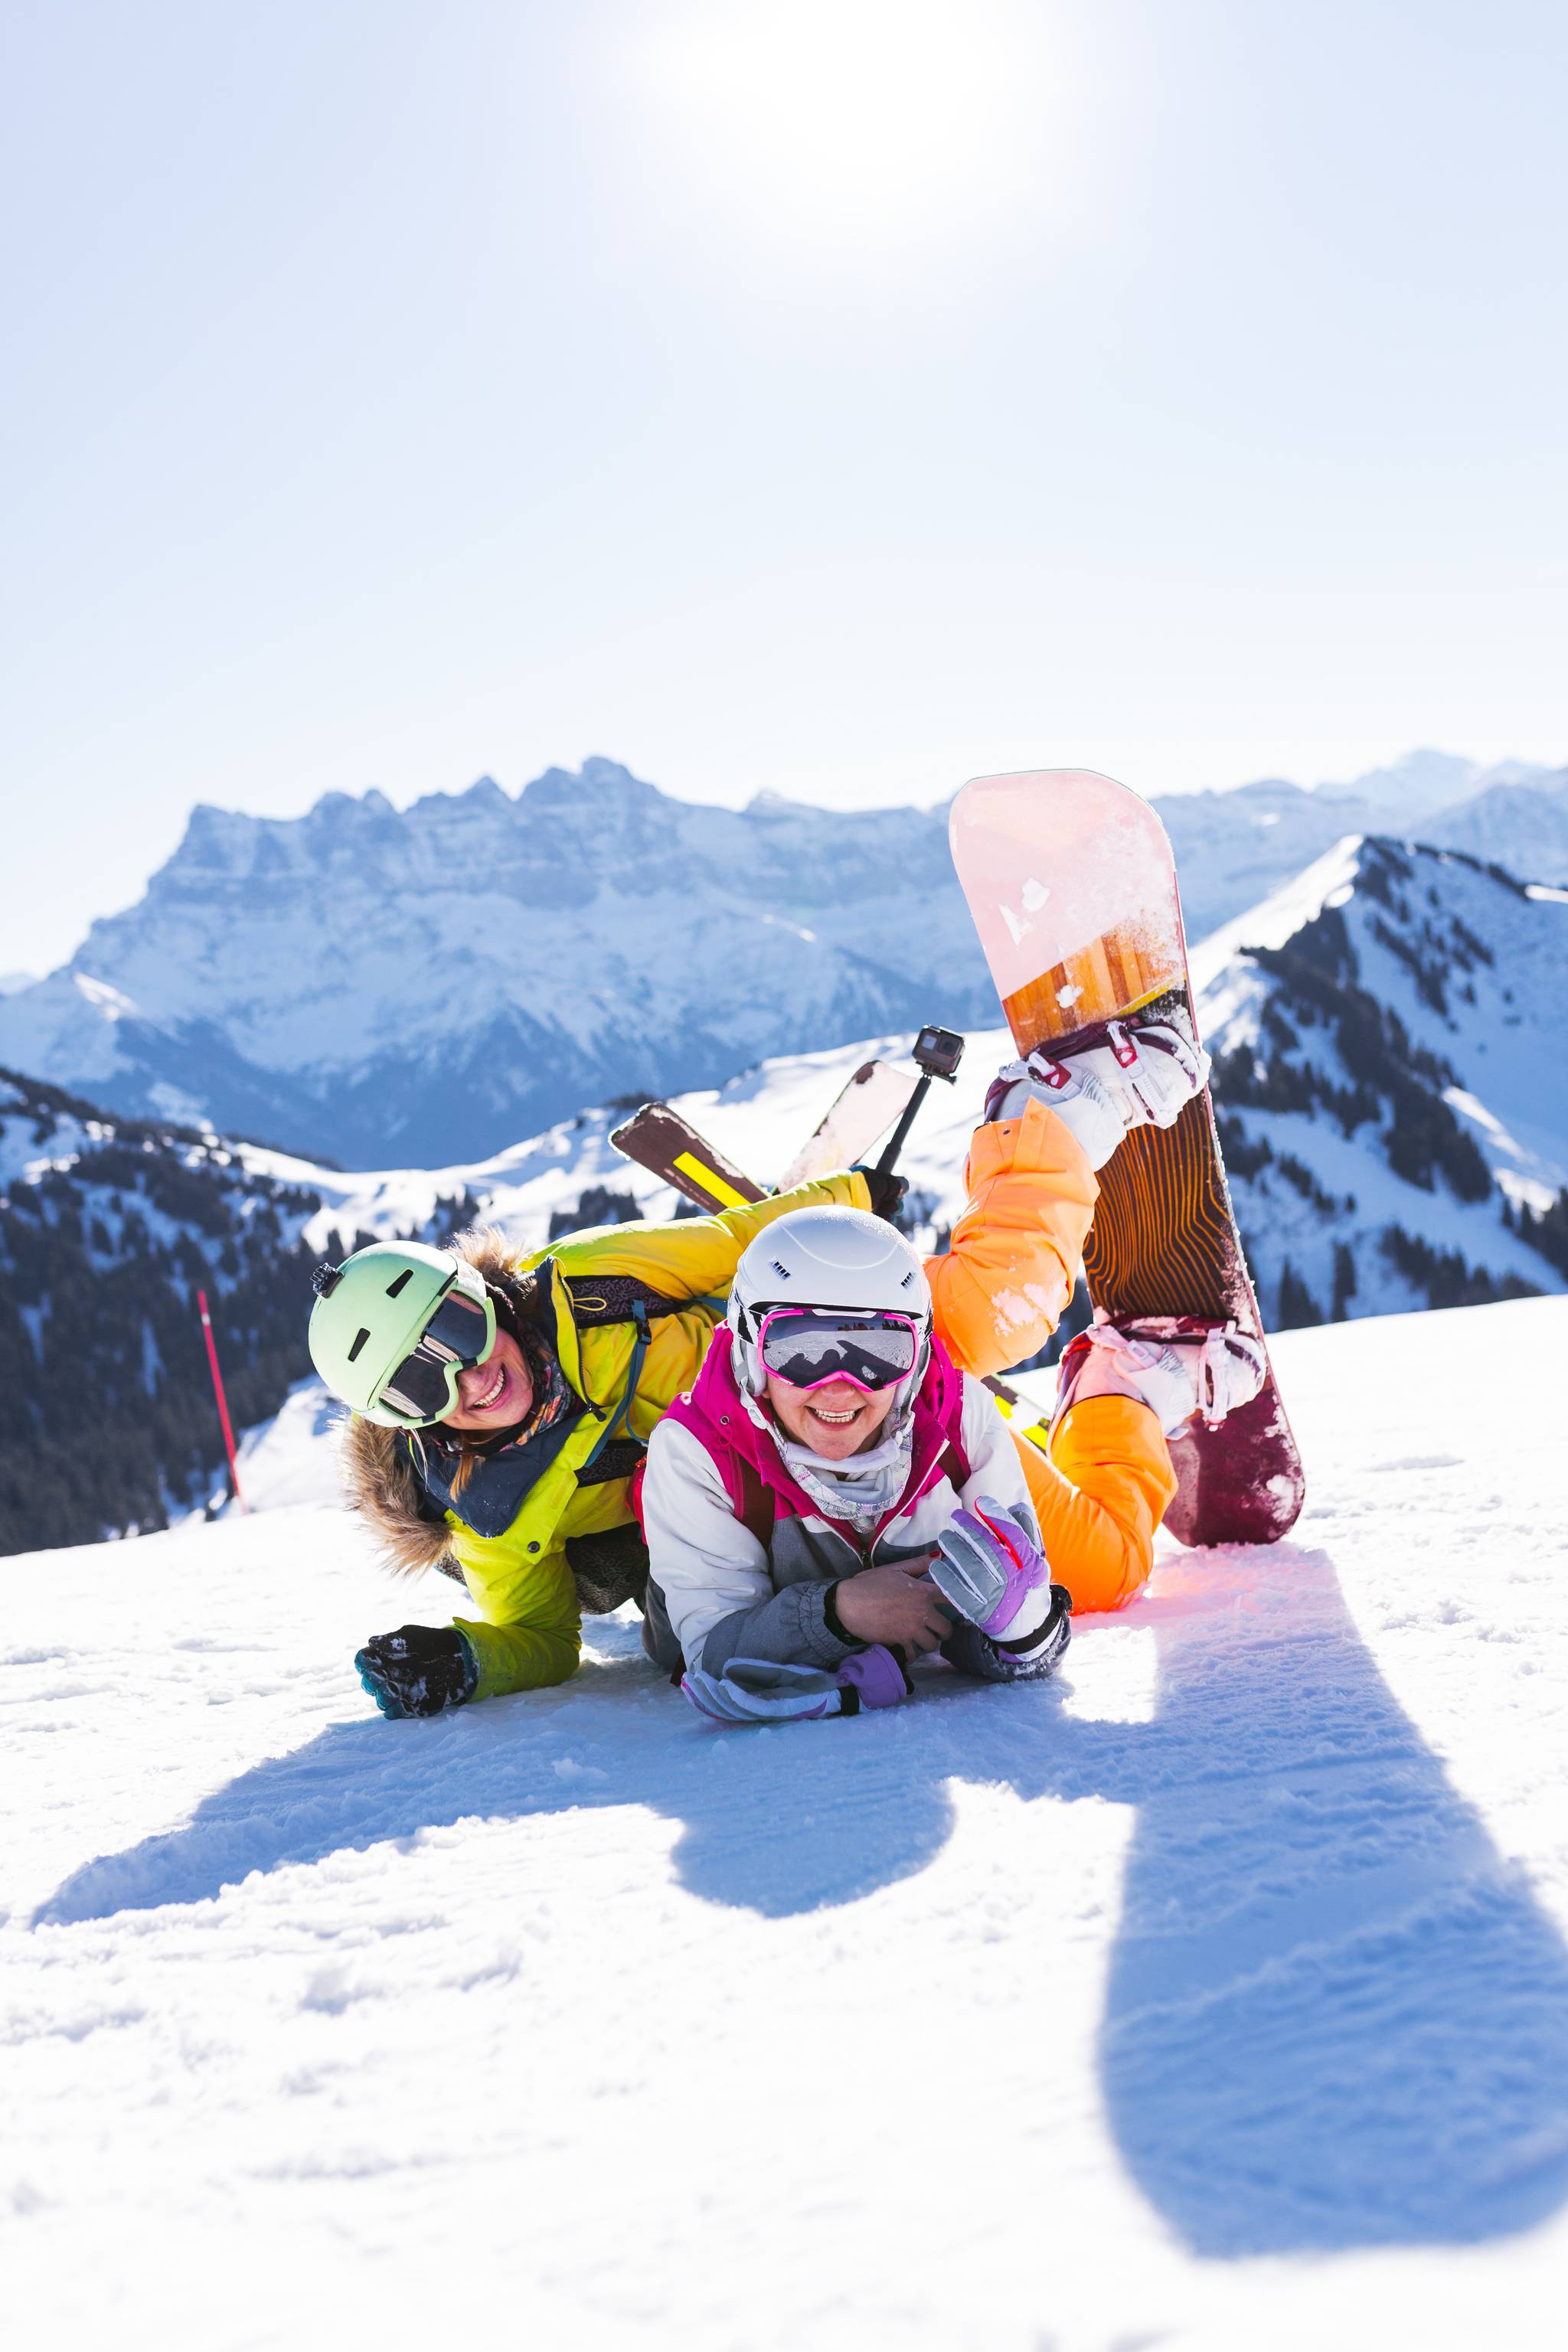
1144	1075
990	1569
761	1690
873	1678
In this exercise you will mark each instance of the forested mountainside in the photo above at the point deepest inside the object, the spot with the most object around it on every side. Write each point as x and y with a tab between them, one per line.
1390	1083
107	1229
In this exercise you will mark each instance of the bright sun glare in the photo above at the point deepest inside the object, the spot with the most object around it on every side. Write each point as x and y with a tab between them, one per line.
850	127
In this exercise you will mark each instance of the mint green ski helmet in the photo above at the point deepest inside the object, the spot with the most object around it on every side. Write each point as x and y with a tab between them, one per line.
394	1325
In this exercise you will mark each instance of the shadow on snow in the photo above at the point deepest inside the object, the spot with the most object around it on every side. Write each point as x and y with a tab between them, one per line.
1335	2016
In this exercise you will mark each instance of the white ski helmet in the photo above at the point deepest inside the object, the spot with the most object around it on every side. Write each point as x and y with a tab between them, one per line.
825	1258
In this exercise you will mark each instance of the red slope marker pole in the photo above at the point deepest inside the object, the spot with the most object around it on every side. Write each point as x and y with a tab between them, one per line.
218	1391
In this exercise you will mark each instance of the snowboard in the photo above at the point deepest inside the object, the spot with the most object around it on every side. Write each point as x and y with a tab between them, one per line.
659	1139
1072	888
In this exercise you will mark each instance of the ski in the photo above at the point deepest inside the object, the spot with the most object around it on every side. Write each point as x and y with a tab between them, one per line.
1072	888
659	1139
669	1146
875	1098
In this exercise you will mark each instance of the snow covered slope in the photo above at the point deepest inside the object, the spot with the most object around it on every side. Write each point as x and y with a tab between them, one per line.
1392	1082
1212	1997
549	1183
364	983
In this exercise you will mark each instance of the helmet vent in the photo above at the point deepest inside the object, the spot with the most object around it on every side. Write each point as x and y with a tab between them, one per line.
358	1344
781	1270
393	1288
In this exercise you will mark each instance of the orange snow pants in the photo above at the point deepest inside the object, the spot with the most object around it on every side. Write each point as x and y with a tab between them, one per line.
1102	1480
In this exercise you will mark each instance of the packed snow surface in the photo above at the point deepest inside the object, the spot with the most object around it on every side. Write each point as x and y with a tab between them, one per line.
1213	1995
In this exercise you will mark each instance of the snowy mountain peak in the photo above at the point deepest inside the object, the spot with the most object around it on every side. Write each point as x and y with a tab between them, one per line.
368	983
1233	848
1519	820
425	985
1390	1080
1280	916
1412	786
600	788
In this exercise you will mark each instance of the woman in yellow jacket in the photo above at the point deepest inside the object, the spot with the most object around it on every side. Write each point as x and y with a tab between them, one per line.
503	1401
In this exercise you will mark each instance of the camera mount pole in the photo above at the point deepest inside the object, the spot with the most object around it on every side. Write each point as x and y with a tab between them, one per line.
937	1054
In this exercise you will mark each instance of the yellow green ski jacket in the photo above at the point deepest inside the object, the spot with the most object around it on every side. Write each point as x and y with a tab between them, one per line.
573	1543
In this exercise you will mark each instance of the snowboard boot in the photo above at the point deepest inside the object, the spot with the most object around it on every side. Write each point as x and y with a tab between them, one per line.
1176	1364
1144	1073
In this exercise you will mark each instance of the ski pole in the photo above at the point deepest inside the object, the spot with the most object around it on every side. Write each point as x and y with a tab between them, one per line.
222	1402
937	1054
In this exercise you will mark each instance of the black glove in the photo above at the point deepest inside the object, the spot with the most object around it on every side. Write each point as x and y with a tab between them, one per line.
887	1191
418	1670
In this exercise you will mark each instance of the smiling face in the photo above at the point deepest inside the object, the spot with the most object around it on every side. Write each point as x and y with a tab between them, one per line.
836	1420
494	1394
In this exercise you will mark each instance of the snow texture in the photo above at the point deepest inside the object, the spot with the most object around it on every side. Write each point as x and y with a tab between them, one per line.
1214	1995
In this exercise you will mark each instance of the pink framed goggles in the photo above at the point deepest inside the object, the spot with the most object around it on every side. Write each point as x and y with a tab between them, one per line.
807	1346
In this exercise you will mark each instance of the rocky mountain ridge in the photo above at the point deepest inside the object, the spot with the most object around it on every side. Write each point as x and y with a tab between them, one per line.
373	985
368	985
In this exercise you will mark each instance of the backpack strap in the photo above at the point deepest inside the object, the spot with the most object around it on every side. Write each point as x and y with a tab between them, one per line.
756	1506
752	1497
637	1315
597	1298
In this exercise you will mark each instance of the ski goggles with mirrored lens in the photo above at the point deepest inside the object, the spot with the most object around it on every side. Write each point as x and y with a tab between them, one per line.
461	1333
808	1347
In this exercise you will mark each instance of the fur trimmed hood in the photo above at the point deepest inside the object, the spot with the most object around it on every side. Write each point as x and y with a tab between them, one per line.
585	1292
380	1482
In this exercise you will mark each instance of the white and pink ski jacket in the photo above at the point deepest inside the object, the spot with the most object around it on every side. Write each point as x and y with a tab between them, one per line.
741	1560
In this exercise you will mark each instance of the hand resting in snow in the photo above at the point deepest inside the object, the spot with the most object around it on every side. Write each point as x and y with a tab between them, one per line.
896	1604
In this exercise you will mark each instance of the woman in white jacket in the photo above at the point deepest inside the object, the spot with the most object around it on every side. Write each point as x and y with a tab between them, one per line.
834	1497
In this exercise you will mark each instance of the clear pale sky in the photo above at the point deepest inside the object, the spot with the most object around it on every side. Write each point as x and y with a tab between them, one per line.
841	396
